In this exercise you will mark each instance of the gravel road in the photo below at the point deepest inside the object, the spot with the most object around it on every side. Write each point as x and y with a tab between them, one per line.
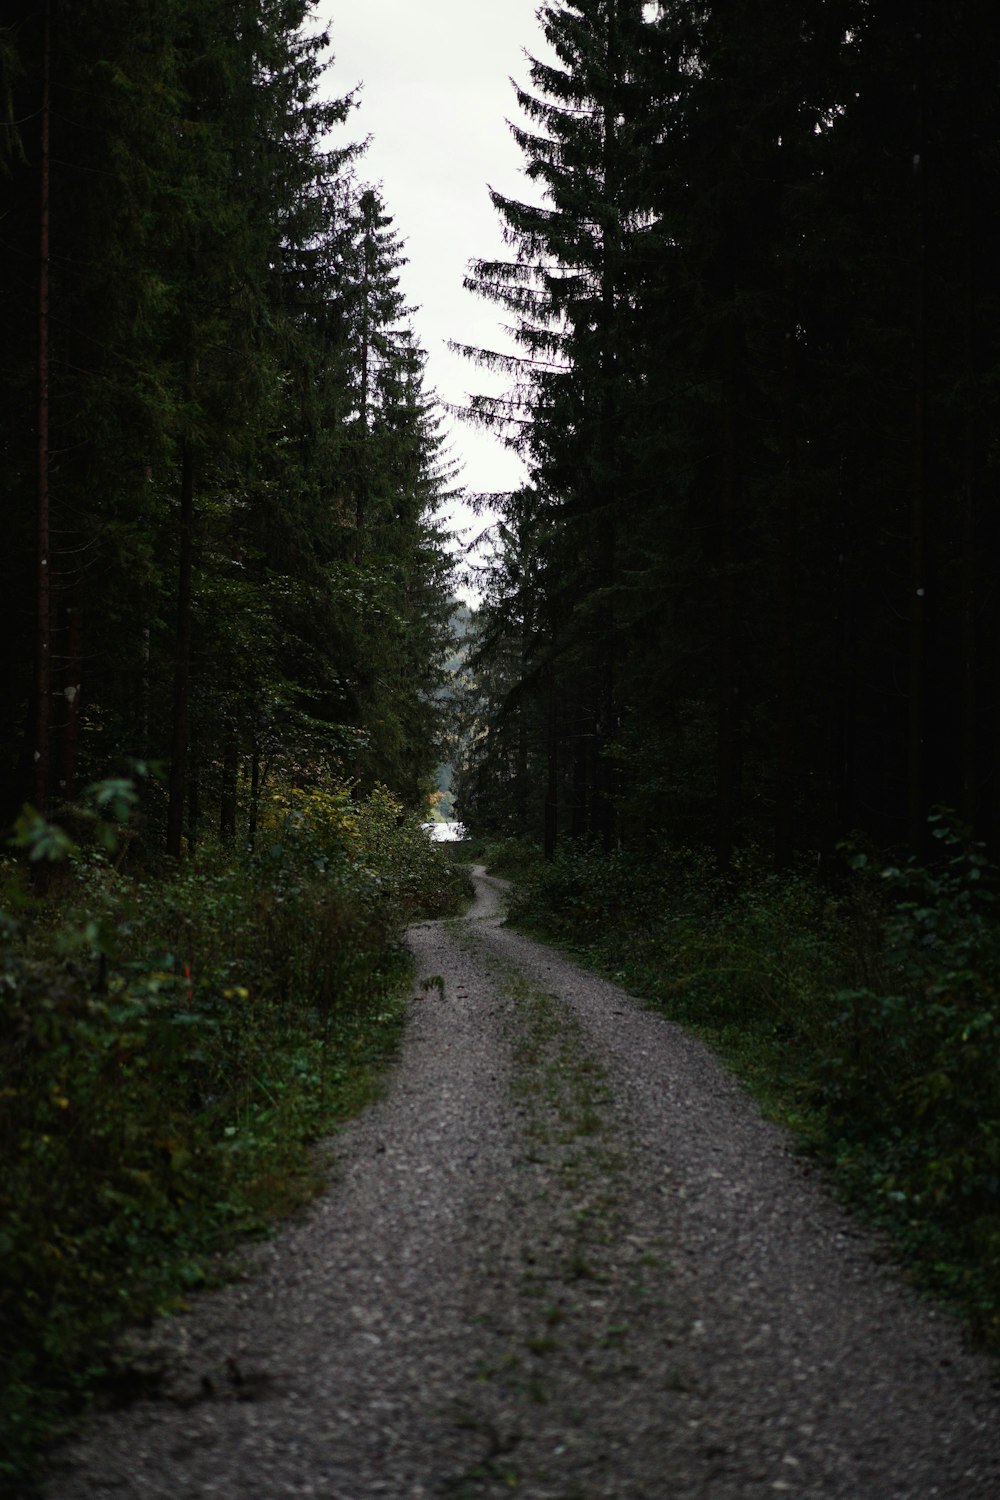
564	1258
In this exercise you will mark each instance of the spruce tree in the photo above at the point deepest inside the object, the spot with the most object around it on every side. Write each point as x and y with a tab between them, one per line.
572	410
204	375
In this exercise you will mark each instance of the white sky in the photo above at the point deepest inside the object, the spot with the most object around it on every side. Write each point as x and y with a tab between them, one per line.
435	100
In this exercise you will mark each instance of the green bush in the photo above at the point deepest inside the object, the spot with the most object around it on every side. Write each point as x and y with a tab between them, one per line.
908	1078
510	857
415	874
170	1046
867	1014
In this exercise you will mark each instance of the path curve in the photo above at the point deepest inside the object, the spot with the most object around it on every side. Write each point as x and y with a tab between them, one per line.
564	1258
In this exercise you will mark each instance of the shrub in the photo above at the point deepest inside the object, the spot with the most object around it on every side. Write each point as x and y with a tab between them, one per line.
415	875
867	1014
908	1077
169	1047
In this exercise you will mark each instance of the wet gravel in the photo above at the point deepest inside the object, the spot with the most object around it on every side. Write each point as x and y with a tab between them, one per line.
564	1258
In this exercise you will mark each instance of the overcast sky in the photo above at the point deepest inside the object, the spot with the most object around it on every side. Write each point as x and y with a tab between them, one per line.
435	101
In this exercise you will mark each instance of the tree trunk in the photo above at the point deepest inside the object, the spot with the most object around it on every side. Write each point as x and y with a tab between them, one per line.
255	784
369	206
970	467
582	773
602	819
43	653
785	748
916	767
728	691
145	693
71	737
521	768
193	795
182	665
230	779
841	810
551	827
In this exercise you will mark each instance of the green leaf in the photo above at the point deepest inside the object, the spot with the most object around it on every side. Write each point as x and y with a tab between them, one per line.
41	839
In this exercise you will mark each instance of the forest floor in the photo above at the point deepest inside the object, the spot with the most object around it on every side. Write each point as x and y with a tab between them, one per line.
565	1257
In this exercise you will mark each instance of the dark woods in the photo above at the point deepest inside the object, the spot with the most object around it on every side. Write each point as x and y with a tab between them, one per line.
219	470
747	593
744	600
218	460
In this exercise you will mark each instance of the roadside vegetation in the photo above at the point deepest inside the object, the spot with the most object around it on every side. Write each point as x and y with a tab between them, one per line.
173	1043
864	1013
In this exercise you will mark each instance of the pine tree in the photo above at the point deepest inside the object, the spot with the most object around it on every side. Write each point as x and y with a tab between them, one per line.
572	291
204	375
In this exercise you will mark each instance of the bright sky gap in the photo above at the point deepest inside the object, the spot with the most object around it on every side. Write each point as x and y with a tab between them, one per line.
435	100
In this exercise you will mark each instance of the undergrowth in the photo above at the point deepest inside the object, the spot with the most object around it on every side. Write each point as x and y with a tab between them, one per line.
866	1015
171	1047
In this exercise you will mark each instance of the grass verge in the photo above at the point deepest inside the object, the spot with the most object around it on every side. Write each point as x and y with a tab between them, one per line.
865	1018
563	1247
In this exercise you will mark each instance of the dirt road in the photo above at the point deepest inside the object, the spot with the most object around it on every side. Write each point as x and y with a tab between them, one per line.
563	1259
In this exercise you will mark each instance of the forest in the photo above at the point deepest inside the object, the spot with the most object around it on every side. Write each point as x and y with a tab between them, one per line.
727	708
219	459
746	594
731	711
224	608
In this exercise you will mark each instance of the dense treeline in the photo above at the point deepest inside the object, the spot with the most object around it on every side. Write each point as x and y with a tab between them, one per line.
745	594
219	463
220	565
741	611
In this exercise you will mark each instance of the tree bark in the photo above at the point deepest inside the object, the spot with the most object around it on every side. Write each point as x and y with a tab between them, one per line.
43	652
916	759
255	786
71	737
785	748
182	665
970	470
728	690
193	795
841	812
551	825
230	779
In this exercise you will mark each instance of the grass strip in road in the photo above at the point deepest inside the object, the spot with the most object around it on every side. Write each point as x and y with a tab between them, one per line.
572	1279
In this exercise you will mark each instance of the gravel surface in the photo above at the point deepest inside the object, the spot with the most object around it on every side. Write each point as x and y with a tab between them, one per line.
563	1258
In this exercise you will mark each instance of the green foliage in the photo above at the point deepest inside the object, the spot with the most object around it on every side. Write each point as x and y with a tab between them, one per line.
240	399
867	1015
756	454
102	811
908	1080
171	1046
514	857
41	839
415	875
